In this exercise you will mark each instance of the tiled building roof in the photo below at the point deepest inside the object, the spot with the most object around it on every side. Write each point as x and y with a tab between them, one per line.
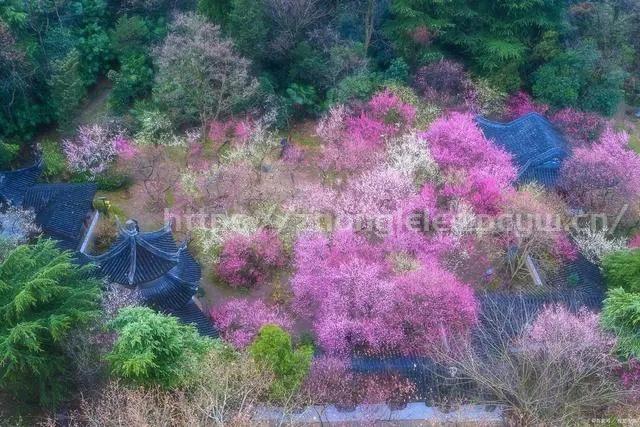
165	274
14	184
537	146
61	209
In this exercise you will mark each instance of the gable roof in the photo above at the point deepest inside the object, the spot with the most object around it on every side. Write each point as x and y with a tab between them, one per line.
537	146
14	184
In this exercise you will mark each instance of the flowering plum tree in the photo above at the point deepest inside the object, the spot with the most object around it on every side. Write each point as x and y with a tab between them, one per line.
473	167
348	289
370	198
248	261
521	103
604	178
240	320
353	141
92	150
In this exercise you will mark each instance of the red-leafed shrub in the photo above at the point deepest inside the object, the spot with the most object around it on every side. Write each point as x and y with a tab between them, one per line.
444	82
331	381
579	127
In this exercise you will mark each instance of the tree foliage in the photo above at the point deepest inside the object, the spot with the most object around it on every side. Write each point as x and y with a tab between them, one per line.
622	270
44	295
273	348
200	76
154	348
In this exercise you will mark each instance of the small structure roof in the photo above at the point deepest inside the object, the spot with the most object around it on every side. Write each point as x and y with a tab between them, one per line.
538	148
165	274
14	184
61	209
137	258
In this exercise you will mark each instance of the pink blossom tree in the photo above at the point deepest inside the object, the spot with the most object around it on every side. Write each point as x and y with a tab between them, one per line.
521	103
473	167
248	261
604	178
353	141
239	320
575	337
347	288
92	150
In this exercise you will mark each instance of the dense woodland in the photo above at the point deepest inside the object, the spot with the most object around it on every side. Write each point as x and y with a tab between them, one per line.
300	133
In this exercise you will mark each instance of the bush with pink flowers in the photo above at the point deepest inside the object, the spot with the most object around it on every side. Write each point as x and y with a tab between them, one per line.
240	320
248	261
604	178
579	127
92	150
521	103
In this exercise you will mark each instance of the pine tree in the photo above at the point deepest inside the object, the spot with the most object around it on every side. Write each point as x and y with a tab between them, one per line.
44	295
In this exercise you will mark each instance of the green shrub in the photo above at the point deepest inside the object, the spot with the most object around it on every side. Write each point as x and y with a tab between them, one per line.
621	315
274	349
44	295
155	349
55	164
356	87
113	180
622	270
398	71
67	87
133	80
8	153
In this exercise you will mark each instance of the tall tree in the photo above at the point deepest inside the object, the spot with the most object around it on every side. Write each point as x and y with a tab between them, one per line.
200	76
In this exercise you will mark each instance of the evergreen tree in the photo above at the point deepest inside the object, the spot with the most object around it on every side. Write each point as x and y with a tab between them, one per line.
154	348
622	270
44	295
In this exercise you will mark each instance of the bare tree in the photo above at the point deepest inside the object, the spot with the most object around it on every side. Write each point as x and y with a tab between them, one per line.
157	178
292	19
566	375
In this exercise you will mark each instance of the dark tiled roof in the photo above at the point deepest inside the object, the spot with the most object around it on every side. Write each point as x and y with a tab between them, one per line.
14	184
167	276
61	209
175	288
537	147
191	314
138	257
